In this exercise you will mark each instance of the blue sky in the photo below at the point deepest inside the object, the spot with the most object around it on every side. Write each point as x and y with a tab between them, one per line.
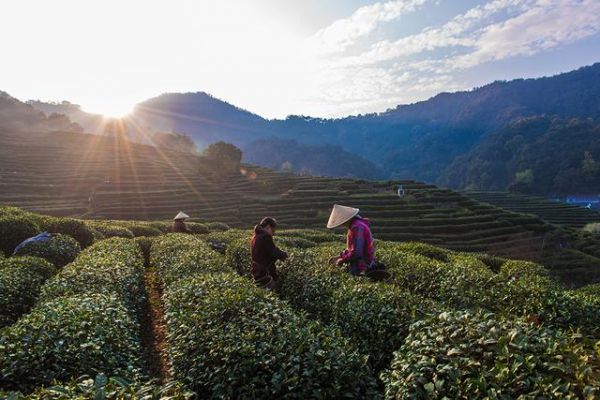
278	57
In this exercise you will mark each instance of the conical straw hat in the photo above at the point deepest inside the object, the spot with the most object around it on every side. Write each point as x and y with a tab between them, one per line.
181	215
340	215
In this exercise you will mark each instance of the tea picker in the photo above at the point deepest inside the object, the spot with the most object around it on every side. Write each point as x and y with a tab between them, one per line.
359	255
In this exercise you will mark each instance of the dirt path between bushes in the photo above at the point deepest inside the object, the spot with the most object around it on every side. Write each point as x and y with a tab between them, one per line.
153	329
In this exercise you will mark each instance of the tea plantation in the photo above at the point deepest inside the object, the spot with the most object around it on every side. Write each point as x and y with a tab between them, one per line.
123	310
104	178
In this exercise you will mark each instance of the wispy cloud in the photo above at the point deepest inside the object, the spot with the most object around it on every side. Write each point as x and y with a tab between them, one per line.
426	62
343	33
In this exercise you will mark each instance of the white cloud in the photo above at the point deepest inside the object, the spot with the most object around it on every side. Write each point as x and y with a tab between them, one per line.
459	31
547	25
343	33
427	62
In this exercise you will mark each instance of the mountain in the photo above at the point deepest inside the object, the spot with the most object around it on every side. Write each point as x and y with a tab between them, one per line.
17	116
533	155
325	160
420	140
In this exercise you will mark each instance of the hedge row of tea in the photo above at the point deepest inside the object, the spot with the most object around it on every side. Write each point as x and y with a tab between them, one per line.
229	339
429	333
463	325
84	322
71	234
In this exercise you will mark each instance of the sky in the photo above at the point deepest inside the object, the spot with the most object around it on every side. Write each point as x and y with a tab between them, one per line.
326	58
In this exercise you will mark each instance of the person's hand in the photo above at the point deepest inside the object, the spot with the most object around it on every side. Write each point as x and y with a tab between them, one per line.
333	260
339	262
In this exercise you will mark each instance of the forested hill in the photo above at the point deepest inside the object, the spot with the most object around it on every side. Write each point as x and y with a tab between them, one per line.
533	155
420	140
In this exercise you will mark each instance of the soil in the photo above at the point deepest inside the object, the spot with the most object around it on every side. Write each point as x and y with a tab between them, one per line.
153	329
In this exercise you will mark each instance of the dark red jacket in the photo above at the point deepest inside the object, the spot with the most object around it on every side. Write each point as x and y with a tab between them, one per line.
264	254
180	227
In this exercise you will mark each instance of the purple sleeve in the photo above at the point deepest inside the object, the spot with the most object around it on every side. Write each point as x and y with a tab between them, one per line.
359	244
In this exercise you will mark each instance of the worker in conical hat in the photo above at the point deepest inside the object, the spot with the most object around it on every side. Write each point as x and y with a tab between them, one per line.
179	225
360	250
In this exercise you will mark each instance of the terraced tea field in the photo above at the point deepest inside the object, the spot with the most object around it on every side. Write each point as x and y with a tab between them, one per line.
166	316
556	213
104	178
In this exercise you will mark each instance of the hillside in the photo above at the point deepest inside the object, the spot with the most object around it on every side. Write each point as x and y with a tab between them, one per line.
534	155
554	212
416	141
100	177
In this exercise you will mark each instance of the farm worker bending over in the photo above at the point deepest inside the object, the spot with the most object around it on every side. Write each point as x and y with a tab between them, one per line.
360	251
179	223
265	253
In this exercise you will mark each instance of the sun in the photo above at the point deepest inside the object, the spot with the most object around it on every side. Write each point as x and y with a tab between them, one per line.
109	109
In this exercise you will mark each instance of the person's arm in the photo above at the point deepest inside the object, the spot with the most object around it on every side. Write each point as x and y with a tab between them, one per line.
276	253
357	246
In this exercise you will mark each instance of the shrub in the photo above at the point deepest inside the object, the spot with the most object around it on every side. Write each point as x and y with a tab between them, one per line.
237	256
593	228
15	229
21	279
145	244
143	230
72	227
103	387
217	226
112	266
113	230
374	316
230	339
163	226
197	228
68	337
178	255
593	289
472	355
59	250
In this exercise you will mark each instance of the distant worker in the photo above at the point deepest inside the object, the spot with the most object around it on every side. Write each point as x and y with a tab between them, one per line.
589	206
265	254
360	250
400	191
179	225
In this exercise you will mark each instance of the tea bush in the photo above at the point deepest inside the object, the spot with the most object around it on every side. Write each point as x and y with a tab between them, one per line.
103	387
178	255
70	226
163	226
374	316
21	279
68	337
138	228
13	230
232	340
217	226
467	354
109	230
237	256
112	266
59	250
197	228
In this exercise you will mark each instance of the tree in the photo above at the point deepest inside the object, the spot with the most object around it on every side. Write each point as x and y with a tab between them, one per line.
525	176
174	141
224	156
589	165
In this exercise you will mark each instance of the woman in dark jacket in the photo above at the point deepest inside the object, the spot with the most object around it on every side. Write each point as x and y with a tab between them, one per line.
264	252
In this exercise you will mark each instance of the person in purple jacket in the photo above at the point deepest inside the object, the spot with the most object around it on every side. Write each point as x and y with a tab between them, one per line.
359	255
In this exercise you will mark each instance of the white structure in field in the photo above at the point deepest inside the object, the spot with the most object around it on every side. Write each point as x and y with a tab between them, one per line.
400	191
